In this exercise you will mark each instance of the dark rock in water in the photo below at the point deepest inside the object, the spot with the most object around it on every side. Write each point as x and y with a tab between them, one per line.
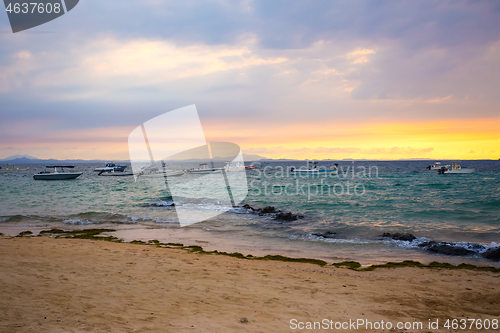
399	236
446	248
328	234
278	214
247	206
268	210
492	254
285	217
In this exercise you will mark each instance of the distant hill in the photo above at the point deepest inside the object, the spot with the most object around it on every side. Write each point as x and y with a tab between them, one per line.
16	157
253	157
25	159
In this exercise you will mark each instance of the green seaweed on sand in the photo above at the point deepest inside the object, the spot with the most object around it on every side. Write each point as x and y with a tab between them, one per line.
288	259
52	231
175	244
356	266
25	233
138	242
230	254
93	234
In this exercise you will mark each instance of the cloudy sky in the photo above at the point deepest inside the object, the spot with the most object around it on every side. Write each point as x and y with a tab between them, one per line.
282	79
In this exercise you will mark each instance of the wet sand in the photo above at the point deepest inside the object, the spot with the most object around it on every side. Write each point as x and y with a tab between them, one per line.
78	285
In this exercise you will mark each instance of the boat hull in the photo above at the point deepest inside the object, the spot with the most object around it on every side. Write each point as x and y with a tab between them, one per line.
204	172
163	174
116	174
315	172
119	168
459	171
57	176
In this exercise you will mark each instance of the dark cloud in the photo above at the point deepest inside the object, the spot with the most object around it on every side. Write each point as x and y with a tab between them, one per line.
426	49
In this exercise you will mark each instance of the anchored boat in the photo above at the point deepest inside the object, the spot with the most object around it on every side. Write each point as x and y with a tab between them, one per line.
455	168
235	166
152	170
56	175
111	167
204	169
437	166
315	170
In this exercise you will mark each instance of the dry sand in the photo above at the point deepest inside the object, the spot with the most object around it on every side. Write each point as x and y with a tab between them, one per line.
73	285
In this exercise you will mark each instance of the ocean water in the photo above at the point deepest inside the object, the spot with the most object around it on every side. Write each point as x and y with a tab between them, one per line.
342	217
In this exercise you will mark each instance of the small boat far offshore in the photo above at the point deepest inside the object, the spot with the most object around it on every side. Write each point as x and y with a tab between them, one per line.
56	175
314	170
111	167
204	169
455	168
437	166
152	170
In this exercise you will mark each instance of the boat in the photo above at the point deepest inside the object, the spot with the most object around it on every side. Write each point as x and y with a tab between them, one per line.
455	168
56	175
314	170
204	169
111	167
235	166
251	167
114	173
437	166
152	170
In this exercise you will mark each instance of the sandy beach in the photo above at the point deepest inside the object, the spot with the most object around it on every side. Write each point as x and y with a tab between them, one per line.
79	285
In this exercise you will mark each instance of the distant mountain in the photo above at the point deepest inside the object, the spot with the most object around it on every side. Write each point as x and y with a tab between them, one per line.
253	157
24	160
15	157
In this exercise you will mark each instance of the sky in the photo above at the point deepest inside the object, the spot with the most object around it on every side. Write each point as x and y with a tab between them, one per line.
282	79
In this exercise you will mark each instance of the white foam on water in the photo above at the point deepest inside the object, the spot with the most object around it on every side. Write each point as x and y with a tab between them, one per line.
3	219
165	221
416	244
78	222
313	238
163	203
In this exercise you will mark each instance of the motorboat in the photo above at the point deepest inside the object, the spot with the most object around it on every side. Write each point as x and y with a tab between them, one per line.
235	166
251	167
56	175
111	167
152	170
455	168
437	166
204	169
315	170
113	173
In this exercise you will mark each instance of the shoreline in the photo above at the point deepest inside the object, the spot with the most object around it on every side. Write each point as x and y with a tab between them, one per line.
82	284
95	234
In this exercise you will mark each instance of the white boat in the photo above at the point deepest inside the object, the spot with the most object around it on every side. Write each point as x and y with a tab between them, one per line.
437	166
111	167
235	166
204	169
314	170
113	173
455	168
152	170
56	175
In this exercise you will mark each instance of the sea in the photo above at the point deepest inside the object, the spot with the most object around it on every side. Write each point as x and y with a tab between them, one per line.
339	217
